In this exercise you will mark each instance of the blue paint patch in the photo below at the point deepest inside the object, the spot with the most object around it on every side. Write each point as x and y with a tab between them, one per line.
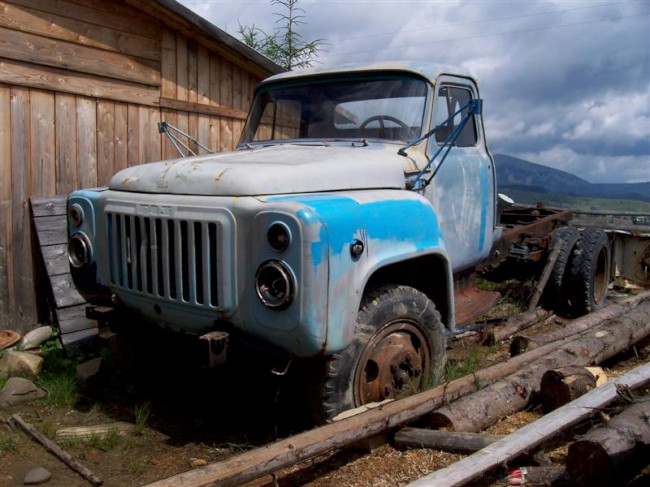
408	220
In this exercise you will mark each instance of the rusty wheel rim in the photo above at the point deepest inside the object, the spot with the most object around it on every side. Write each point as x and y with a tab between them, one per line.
392	363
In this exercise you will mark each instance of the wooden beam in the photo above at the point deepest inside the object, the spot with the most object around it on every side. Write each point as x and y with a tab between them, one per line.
48	206
214	111
532	435
30	48
64	81
68	28
546	273
113	15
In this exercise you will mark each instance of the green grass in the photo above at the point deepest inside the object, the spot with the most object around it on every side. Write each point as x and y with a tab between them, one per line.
142	413
61	388
8	441
58	376
105	442
454	369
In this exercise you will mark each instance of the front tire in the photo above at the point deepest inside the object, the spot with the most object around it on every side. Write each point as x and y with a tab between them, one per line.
398	348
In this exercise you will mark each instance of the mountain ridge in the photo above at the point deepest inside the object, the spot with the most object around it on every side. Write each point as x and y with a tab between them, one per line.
520	174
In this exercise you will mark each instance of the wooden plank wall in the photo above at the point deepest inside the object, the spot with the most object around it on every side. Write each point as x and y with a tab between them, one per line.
83	85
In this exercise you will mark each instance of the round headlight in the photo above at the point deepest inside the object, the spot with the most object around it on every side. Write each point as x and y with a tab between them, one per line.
75	215
79	250
279	236
274	285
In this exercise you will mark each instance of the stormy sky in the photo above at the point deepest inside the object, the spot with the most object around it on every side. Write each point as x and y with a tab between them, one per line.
565	83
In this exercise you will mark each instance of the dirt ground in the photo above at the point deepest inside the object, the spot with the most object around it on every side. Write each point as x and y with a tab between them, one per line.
195	416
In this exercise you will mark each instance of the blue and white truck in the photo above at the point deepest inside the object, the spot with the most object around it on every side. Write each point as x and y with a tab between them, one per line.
344	231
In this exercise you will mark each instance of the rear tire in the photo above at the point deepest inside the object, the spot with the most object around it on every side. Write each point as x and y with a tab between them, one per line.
589	272
398	349
555	296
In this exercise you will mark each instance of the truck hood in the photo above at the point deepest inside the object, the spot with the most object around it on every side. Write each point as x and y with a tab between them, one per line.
277	169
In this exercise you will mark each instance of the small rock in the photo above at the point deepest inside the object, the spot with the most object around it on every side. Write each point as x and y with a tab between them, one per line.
88	371
18	390
38	475
20	362
8	338
37	337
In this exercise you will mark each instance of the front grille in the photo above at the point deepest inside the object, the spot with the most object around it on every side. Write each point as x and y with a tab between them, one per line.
166	258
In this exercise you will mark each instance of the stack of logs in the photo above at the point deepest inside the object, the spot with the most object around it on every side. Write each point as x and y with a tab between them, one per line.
605	456
472	403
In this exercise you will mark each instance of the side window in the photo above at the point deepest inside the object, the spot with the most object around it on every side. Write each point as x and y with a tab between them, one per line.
449	100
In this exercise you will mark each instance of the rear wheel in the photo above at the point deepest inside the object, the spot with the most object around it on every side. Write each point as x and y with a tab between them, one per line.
555	296
589	272
398	349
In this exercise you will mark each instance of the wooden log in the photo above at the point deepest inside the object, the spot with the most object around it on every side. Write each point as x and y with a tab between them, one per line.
563	385
57	451
532	435
613	453
449	441
514	393
513	325
521	344
546	273
256	463
100	430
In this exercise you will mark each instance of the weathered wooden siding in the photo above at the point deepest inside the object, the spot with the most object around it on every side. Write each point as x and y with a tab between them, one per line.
83	86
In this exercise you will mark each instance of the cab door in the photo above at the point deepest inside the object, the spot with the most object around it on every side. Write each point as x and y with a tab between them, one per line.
463	189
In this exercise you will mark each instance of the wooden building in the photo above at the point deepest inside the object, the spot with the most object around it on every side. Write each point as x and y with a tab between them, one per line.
83	85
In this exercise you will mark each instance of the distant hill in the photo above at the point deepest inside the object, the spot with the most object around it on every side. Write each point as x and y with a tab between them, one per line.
521	175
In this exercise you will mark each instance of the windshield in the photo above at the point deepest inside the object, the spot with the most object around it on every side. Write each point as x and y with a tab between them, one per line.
334	108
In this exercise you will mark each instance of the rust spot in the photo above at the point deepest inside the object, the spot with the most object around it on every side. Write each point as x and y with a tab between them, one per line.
220	175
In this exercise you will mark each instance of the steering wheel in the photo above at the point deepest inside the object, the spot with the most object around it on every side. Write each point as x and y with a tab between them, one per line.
382	126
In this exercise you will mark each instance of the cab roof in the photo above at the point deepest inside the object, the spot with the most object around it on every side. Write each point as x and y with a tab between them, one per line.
427	70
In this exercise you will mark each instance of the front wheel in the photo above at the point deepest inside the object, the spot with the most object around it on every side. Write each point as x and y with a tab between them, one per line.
398	349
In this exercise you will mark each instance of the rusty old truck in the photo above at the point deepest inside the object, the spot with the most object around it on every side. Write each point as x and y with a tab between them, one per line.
344	232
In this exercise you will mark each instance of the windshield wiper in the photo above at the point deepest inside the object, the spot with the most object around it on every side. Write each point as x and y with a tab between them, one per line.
474	107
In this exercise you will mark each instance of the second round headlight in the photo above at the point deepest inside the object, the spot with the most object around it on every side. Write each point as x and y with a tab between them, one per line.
274	284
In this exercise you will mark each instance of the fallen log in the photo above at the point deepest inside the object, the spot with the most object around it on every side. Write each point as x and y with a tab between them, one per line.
522	343
513	325
532	435
256	463
57	451
448	441
546	273
99	430
514	392
614	453
563	385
